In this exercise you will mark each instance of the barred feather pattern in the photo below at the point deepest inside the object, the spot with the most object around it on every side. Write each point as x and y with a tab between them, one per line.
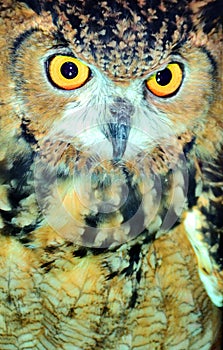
110	195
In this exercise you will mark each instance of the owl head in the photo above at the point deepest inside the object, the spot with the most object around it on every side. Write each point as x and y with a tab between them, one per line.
105	108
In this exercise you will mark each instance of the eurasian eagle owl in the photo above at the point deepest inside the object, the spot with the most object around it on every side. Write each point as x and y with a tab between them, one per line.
111	183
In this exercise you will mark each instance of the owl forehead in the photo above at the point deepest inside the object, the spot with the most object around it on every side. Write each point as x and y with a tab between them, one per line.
123	38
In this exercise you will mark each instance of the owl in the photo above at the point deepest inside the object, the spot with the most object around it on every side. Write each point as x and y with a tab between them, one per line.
111	183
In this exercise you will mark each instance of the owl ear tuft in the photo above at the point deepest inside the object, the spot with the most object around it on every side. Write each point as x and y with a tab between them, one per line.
212	15
35	5
207	13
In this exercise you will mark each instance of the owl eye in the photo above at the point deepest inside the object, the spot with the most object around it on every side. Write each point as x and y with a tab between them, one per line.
67	72
166	82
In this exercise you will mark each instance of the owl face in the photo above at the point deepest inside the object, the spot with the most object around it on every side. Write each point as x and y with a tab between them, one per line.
112	100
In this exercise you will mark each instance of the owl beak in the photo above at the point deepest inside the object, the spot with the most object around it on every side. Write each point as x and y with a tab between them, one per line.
119	126
119	133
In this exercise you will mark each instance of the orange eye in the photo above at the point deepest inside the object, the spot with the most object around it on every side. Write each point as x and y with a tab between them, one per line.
67	72
167	81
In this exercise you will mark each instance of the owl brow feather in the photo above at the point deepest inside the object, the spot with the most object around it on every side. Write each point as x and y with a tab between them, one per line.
33	4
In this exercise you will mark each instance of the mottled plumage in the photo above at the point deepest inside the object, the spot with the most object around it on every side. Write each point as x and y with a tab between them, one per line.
111	175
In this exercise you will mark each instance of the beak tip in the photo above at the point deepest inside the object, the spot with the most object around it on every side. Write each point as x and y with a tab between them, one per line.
119	134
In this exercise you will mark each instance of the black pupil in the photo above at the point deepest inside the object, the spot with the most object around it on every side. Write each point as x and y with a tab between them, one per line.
69	70
164	77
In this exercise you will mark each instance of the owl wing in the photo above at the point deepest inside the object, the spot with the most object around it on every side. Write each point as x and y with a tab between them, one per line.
204	226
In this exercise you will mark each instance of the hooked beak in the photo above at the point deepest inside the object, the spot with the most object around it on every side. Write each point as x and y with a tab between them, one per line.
119	126
119	133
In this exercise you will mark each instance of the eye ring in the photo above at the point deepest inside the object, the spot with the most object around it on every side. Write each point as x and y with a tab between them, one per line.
166	82
67	72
